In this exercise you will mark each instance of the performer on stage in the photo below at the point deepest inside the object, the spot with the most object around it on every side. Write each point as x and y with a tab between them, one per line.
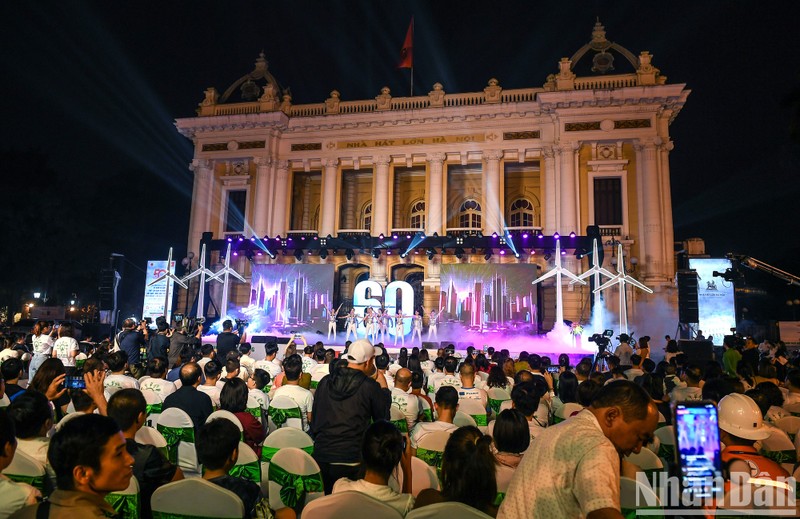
332	321
433	322
383	322
399	328
350	325
370	325
416	326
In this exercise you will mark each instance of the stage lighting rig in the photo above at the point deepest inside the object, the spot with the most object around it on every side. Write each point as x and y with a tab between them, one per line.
459	252
487	253
349	253
298	254
376	253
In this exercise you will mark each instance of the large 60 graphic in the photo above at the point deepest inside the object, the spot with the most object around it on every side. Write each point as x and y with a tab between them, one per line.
366	292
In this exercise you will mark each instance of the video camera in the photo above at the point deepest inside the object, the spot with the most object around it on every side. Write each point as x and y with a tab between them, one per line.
242	323
602	340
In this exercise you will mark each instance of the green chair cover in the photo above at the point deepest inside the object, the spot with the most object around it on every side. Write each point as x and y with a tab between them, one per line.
791	436
427	415
631	513
167	515
79	364
401	425
266	389
250	471
294	487
432	458
314	384
787	456
480	419
153	408
557	419
498	499
495	404
279	416
666	451
126	505
173	436
268	452
255	411
34	481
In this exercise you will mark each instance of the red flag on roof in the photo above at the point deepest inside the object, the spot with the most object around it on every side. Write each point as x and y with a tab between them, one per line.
407	52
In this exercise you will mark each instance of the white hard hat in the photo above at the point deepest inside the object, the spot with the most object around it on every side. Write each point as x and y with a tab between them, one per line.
740	416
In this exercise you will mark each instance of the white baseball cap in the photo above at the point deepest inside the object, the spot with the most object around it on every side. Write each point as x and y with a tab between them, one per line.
361	351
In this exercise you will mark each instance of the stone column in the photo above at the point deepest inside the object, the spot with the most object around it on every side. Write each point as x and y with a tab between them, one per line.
200	218
351	214
653	262
305	221
493	215
282	196
261	199
666	199
380	205
568	194
550	191
378	270
327	223
435	195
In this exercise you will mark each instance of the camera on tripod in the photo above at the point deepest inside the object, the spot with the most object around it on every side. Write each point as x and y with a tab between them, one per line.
602	340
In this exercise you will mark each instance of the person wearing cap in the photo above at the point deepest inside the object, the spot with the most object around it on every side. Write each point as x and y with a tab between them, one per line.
740	427
345	403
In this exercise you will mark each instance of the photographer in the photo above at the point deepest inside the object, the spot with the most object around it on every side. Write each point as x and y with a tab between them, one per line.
159	343
130	340
180	339
624	351
227	340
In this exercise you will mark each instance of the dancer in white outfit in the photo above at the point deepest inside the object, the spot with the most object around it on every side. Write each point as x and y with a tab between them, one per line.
332	321
350	324
399	328
416	326
433	323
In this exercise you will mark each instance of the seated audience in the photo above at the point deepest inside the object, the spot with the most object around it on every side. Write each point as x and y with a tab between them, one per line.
511	439
32	419
692	377
13	496
407	402
445	406
258	387
11	371
213	372
118	364
233	398
468	389
188	399
792	384
293	368
775	396
156	379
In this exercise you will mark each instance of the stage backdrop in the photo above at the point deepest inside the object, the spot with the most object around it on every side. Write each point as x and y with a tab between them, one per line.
714	298
488	297
291	296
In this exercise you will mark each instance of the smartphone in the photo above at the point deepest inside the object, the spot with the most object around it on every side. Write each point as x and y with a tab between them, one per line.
697	448
74	382
553	369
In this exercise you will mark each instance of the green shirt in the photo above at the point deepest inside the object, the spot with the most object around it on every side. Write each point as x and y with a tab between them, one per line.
730	359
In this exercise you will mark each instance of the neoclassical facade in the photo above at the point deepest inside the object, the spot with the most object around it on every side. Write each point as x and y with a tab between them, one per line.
576	152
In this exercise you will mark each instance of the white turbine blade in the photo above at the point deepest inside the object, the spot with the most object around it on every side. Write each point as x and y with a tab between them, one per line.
635	282
177	280
238	276
609	283
545	276
159	278
572	276
191	275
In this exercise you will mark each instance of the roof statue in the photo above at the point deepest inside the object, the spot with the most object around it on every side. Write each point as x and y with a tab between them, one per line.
249	89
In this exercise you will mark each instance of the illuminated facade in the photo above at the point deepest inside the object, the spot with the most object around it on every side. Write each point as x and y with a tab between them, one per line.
578	151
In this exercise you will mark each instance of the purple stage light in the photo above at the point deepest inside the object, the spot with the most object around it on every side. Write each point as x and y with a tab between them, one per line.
494	235
503	252
388	253
253	238
572	234
395	236
289	238
259	253
381	236
556	236
408	236
230	239
525	235
563	253
241	238
316	238
303	238
235	253
540	235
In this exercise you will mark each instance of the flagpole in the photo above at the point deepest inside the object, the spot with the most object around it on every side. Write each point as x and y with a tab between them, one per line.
412	59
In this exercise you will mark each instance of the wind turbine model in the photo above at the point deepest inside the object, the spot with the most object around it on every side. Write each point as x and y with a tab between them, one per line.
168	275
558	271
621	279
225	273
201	271
595	271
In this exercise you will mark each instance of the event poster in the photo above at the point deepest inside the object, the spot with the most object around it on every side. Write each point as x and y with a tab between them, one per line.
291	296
156	295
715	303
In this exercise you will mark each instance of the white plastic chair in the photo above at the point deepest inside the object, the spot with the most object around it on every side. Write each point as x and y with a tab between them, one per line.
296	463
566	410
282	438
497	396
780	448
634	496
150	436
422	476
446	510
397	417
475	409
793	409
5	401
197	497
425	409
226	415
646	460
790	425
666	438
430	447
349	504
121	500
186	457
154	403
247	466
25	469
462	419
284	402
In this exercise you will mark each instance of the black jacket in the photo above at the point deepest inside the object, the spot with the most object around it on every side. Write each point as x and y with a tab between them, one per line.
344	404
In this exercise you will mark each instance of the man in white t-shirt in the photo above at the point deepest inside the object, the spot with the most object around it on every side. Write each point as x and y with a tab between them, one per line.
382	365
446	406
293	368
624	350
270	363
245	359
450	378
212	371
573	468
118	364
208	354
692	376
309	364
13	496
468	389
403	399
156	379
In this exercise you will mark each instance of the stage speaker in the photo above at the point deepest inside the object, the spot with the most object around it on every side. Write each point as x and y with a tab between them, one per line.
445	344
284	340
687	297
697	352
263	339
430	345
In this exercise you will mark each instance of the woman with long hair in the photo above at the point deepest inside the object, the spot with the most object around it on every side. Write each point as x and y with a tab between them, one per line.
497	378
511	439
50	370
42	342
233	398
382	448
567	391
468	472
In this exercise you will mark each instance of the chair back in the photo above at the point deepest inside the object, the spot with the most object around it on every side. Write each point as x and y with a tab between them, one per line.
349	504
430	448
422	476
195	497
178	430
662	420
634	496
565	411
260	397
446	510
792	409
126	503
254	407
397	417
779	448
790	425
497	395
666	438
426	410
294	479
462	419
153	409
316	377
475	409
150	436
286	437
227	415
5	401
647	461
285	412
25	469
248	466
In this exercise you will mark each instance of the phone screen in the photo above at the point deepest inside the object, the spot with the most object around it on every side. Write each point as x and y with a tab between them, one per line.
75	382
552	369
698	449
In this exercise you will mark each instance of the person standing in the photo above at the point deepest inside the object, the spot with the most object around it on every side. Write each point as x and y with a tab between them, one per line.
131	340
433	325
399	328
350	325
227	340
66	347
416	326
42	342
332	321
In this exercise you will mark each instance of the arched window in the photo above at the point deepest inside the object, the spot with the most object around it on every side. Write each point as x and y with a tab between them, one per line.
418	215
366	217
521	213
469	214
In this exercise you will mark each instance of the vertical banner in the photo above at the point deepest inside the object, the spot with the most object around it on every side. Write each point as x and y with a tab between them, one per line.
715	301
156	295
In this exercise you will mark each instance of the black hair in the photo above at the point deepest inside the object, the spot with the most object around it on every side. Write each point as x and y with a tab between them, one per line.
227	324
212	368
450	364
583	369
232	365
587	390
207	349
261	377
693	373
381	448
792	377
382	361
79	442
648	365
525	397
66	330
233	396
761	399
81	400
630	398
125	406
773	393
447	397
511	432
157	366
215	443
636	359
319	354
7	430
189	374
438	363
244	348
29	411
414	363
271	348
497	378
293	367
468	468
49	370
161	323
568	387
11	368
717	388
417	379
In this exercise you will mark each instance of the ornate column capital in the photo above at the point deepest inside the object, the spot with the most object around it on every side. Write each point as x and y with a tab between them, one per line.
638	146
198	164
567	147
263	161
548	152
283	165
493	155
381	160
330	162
436	157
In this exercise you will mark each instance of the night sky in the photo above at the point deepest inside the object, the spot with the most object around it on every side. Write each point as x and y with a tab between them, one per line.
93	88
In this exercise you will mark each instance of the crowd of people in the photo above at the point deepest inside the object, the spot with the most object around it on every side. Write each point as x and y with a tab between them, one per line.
555	447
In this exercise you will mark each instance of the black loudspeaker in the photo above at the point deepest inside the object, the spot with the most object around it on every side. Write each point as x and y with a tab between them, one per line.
698	352
430	345
445	344
263	339
687	297
464	345
284	340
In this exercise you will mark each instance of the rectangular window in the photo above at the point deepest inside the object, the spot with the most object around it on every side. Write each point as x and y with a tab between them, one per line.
608	201
235	211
